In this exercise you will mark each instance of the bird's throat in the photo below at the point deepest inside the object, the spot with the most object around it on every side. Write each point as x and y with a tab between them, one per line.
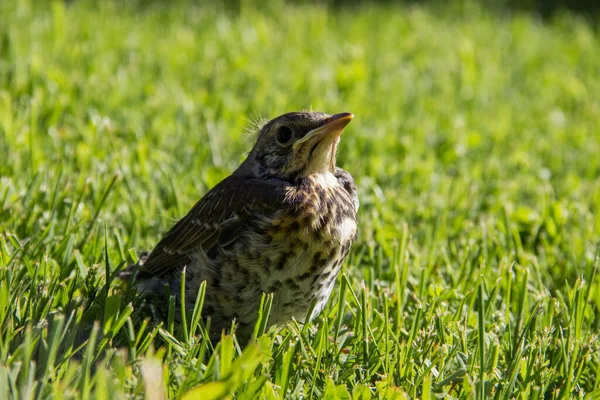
322	157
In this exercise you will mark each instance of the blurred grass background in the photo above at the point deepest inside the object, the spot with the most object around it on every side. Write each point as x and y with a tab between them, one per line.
475	150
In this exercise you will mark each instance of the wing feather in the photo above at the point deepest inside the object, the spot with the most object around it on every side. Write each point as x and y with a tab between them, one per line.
218	218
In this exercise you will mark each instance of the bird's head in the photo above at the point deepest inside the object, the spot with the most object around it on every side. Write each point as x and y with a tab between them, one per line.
296	145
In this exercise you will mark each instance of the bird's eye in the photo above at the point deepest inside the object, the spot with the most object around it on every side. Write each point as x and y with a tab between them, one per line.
284	134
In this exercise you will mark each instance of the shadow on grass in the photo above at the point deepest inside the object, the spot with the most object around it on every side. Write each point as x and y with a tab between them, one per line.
543	8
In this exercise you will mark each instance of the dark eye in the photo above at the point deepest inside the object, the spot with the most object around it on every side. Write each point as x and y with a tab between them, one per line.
284	134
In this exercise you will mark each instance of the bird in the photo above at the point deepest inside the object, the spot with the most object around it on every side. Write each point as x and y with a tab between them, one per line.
282	223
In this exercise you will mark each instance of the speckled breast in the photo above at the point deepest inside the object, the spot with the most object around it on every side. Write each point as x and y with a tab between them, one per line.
296	254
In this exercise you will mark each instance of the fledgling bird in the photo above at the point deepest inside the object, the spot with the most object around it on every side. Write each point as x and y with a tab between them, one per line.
282	223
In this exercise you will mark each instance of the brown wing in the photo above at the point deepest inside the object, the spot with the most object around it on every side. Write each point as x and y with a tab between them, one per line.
218	218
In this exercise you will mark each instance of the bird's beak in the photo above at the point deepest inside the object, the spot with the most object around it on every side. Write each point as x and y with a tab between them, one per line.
333	126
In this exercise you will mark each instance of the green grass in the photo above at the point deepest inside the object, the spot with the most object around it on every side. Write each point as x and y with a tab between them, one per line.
475	150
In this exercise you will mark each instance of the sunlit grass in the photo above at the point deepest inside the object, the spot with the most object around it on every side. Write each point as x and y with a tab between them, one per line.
475	151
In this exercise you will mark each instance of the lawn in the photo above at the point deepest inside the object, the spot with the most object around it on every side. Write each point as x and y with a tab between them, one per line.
475	149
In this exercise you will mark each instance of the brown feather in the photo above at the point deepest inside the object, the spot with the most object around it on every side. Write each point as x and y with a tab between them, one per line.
211	221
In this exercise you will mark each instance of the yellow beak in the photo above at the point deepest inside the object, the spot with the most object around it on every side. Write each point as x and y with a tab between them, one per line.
332	126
